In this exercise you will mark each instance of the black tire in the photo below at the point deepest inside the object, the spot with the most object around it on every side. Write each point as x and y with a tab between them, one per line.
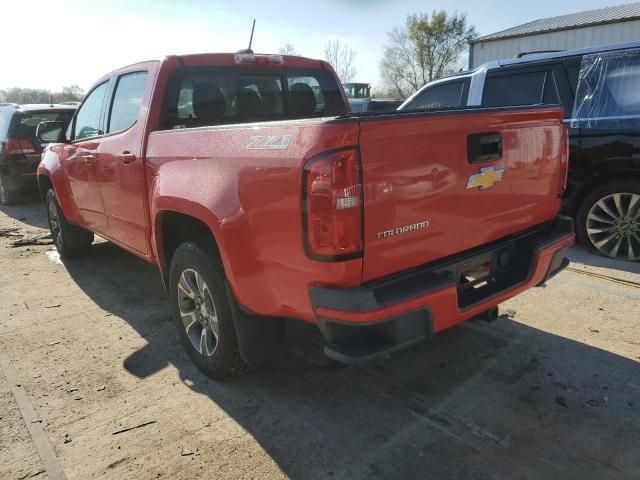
8	197
70	240
220	360
632	224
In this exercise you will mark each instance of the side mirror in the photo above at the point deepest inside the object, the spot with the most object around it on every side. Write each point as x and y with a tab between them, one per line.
50	132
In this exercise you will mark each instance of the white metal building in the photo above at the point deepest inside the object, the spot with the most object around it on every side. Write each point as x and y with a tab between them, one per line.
577	30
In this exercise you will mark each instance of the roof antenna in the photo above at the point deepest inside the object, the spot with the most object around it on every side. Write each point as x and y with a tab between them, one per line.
248	50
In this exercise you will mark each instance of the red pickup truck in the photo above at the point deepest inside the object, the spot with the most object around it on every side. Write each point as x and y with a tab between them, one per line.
246	180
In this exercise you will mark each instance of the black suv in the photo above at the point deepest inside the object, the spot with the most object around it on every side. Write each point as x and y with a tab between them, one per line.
20	150
599	89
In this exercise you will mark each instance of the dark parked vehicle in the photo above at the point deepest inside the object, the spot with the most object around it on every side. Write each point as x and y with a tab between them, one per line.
374	105
20	150
599	90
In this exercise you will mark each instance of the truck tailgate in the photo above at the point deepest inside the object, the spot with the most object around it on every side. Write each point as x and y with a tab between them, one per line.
441	183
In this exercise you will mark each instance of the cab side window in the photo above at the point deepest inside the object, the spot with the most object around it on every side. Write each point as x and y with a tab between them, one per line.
127	101
87	121
440	96
526	88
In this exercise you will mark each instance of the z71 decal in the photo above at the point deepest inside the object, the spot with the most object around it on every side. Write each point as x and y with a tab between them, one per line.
269	142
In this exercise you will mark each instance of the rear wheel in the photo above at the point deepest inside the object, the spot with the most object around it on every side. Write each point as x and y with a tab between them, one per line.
8	197
70	240
202	313
609	220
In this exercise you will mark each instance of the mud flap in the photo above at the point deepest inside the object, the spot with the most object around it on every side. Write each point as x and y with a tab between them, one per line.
259	338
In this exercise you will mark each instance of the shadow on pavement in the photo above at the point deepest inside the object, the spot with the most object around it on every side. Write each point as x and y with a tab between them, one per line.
478	401
30	211
583	256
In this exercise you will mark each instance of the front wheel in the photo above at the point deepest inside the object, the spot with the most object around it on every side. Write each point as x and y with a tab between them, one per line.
70	240
201	311
609	220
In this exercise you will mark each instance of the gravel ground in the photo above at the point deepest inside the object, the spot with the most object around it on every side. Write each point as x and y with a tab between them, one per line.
94	384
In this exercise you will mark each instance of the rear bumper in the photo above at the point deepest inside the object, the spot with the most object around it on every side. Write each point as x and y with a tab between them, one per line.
380	317
18	172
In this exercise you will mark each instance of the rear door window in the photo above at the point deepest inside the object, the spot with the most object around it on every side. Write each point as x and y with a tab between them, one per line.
127	101
607	95
445	95
197	96
88	122
514	89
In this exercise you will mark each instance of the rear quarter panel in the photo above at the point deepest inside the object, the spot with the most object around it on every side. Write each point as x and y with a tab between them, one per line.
251	200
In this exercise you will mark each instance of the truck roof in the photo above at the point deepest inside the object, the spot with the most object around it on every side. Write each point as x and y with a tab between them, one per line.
227	59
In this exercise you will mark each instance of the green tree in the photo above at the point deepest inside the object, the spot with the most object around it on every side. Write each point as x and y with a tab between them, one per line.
38	95
28	95
427	47
69	93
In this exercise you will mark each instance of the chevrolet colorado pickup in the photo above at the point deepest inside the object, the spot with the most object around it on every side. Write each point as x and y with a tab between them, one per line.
246	180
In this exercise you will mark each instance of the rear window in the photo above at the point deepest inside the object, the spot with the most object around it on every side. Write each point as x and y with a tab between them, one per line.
199	96
24	124
445	95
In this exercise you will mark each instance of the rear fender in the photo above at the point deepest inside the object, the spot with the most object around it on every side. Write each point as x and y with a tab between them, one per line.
203	204
258	337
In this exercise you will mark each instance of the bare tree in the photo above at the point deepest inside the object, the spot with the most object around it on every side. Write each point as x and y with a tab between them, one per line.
424	49
342	59
287	49
69	93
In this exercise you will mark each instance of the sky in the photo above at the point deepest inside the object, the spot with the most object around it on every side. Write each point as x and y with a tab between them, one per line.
79	41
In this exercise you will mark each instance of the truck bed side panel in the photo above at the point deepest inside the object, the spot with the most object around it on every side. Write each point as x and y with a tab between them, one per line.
249	194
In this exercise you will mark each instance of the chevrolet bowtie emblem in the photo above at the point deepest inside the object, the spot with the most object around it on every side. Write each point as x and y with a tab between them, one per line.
487	178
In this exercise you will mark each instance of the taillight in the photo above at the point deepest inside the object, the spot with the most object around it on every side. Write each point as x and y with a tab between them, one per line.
245	58
332	206
16	146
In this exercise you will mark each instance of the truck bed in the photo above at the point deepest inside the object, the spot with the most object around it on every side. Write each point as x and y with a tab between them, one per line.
415	171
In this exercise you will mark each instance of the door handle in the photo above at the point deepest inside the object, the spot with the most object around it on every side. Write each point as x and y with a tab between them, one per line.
88	159
484	147
128	157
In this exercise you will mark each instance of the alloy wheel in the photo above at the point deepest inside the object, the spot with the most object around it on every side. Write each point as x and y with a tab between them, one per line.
613	226
198	312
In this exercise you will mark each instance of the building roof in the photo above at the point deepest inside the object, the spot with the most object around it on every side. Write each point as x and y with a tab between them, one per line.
619	13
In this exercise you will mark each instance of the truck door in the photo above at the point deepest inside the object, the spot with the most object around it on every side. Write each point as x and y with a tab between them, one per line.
120	164
79	159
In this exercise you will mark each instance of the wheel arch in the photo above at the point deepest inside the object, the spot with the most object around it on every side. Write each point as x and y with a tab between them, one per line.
173	227
44	185
623	171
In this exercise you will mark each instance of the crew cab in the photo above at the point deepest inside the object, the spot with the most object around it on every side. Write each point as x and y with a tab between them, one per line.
598	88
246	180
